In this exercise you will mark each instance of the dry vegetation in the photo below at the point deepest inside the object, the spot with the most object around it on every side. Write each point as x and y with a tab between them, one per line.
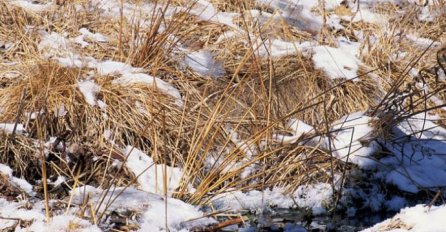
255	98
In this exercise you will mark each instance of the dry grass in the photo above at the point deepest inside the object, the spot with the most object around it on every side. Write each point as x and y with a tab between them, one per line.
222	136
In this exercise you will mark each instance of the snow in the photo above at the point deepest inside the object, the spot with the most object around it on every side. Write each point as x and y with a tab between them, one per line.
206	11
351	140
98	37
202	62
32	6
9	128
279	48
422	42
89	89
36	215
418	159
21	183
63	223
53	43
86	34
368	16
16	210
152	206
417	218
340	62
298	128
150	175
313	197
297	14
110	67
132	78
6	170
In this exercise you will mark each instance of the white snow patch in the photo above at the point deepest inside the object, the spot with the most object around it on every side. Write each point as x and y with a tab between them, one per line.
21	183
32	6
341	62
278	48
206	11
9	128
150	174
298	128
298	13
37	217
132	78
422	42
417	218
98	37
115	67
151	205
313	197
203	63
54	44
89	89
86	34
63	223
418	159
351	141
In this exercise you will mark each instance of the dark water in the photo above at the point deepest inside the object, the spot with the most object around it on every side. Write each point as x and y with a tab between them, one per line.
301	220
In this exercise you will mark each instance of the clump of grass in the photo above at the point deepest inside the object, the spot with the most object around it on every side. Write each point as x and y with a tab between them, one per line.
222	137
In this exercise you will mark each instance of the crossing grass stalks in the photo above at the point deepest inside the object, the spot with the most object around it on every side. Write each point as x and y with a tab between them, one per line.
222	136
